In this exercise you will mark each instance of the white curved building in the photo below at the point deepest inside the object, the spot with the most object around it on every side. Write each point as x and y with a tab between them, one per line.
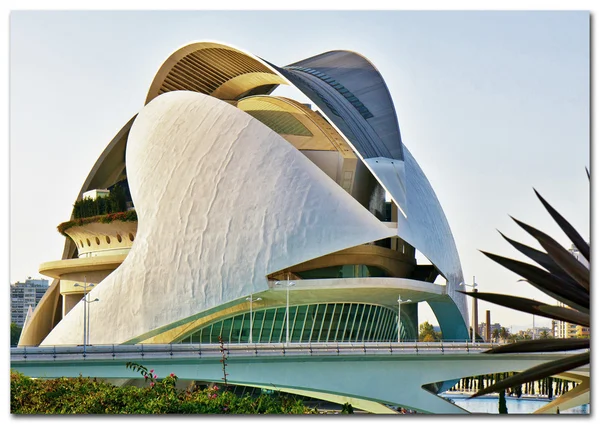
250	202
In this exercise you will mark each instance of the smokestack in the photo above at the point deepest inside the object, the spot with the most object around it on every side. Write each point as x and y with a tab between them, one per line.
488	327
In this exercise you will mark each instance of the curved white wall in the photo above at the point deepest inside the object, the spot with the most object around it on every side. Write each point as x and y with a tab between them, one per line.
222	201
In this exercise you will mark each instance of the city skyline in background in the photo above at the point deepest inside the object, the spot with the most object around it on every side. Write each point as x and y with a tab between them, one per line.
489	103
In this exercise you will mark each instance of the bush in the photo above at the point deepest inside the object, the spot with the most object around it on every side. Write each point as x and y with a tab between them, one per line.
115	202
105	219
160	396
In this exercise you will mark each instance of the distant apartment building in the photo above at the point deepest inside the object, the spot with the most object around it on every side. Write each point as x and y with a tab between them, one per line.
539	332
24	295
481	329
573	250
566	330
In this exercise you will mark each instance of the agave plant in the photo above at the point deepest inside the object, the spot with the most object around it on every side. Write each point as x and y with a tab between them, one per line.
562	277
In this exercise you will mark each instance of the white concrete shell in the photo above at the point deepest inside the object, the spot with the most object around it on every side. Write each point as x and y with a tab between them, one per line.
222	202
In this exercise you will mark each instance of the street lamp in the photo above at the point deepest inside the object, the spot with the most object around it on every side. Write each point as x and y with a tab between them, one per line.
532	315
287	307
474	305
89	317
400	302
86	320
251	317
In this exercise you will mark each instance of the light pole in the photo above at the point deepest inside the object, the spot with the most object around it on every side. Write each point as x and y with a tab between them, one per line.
533	329
287	308
474	305
89	317
251	317
86	319
532	315
400	302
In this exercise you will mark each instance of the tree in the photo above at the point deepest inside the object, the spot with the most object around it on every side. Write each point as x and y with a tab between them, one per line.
15	334
496	334
427	333
504	333
545	335
561	276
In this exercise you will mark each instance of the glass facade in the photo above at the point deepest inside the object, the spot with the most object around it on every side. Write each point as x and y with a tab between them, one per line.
343	271
317	323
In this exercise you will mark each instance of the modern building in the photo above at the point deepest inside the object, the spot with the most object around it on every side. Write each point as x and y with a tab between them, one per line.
567	330
25	296
483	331
257	218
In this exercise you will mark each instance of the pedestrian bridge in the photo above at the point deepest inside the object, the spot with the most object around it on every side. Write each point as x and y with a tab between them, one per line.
367	375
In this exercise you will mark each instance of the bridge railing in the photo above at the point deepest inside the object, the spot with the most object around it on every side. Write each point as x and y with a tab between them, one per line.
147	351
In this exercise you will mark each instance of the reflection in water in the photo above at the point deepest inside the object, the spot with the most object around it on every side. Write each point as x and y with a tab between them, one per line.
489	405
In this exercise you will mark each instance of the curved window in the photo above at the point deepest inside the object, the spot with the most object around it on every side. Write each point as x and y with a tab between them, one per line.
130	236
343	271
97	241
108	239
119	239
326	322
88	242
81	242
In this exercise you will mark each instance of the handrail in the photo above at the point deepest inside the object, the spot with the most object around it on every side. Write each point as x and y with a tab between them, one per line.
140	351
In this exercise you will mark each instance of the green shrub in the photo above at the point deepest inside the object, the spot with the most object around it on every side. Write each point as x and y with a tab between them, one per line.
160	396
116	201
105	219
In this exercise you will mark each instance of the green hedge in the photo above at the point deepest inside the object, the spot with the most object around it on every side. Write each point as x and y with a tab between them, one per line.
116	201
105	219
88	396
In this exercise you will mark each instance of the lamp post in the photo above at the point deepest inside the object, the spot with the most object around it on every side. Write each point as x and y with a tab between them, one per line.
474	305
89	302
251	317
400	302
532	315
533	324
86	321
287	308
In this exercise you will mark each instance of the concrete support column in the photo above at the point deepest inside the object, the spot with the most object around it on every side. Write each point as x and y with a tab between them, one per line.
410	320
69	302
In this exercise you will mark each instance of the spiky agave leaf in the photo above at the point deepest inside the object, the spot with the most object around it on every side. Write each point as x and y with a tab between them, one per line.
560	256
531	306
564	279
542	258
567	228
538	372
576	297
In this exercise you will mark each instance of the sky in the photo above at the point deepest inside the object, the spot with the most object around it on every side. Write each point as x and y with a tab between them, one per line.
491	104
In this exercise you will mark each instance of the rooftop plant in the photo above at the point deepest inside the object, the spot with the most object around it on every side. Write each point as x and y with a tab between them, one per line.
115	202
105	219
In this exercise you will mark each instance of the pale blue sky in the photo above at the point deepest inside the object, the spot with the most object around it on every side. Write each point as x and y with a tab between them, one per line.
490	104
